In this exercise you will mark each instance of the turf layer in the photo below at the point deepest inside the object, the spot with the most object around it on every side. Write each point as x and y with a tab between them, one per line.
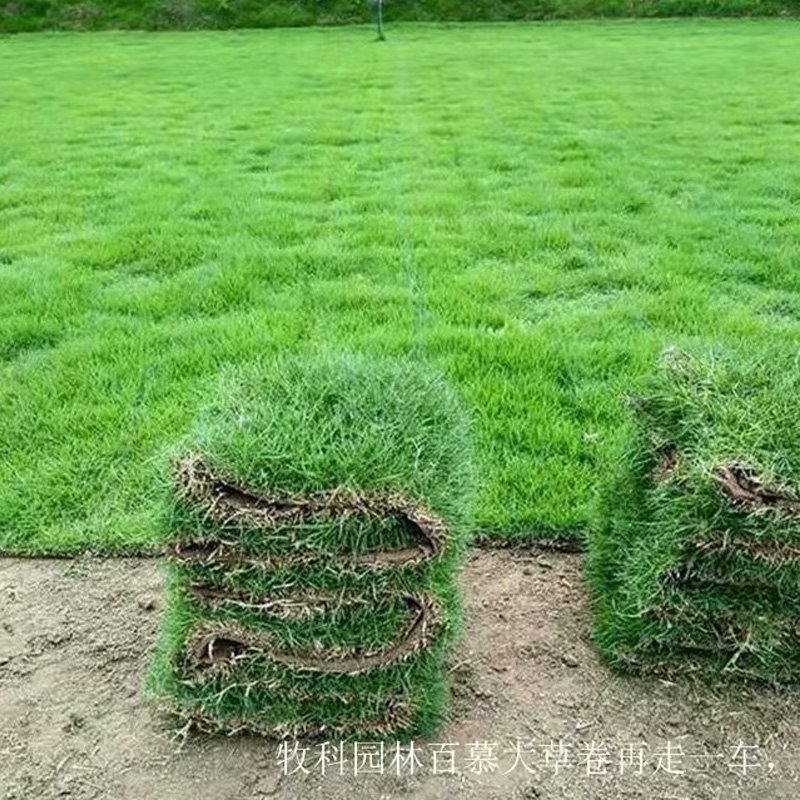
694	560
317	516
537	209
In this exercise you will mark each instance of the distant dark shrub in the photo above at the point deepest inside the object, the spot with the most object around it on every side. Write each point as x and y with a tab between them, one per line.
31	15
180	14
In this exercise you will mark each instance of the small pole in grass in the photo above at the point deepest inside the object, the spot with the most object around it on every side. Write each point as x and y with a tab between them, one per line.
378	8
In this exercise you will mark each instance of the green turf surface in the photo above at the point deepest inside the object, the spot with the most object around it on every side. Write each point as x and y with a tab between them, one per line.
536	209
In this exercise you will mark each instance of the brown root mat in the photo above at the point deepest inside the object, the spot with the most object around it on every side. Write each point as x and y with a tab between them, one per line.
213	552
743	486
723	632
219	647
226	503
688	578
292	606
770	550
394	715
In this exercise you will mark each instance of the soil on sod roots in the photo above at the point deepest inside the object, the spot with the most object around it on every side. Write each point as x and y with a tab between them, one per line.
219	645
75	643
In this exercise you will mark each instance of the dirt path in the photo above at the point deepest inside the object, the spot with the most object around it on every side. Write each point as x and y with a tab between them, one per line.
74	647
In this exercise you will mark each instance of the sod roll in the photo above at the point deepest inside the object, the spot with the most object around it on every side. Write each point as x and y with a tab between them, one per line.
318	515
694	561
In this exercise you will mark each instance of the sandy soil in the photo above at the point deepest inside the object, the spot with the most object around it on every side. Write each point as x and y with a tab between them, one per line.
74	647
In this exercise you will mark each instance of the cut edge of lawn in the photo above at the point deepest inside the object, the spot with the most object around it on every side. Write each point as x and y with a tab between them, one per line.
555	541
483	539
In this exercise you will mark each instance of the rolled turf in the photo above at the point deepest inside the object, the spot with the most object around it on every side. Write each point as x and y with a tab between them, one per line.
317	518
694	561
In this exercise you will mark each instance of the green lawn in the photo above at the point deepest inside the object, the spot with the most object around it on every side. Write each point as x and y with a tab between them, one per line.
536	209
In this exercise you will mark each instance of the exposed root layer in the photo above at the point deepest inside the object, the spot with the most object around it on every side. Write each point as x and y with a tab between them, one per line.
212	552
693	580
226	503
742	485
675	661
769	551
395	716
724	632
296	606
737	593
219	647
666	465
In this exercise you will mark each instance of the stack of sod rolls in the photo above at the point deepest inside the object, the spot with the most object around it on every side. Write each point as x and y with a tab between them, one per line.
694	562
318	519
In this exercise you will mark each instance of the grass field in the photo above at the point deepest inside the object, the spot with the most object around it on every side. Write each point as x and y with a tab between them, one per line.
536	209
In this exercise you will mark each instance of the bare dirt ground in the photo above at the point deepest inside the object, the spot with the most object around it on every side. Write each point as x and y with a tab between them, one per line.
74	648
